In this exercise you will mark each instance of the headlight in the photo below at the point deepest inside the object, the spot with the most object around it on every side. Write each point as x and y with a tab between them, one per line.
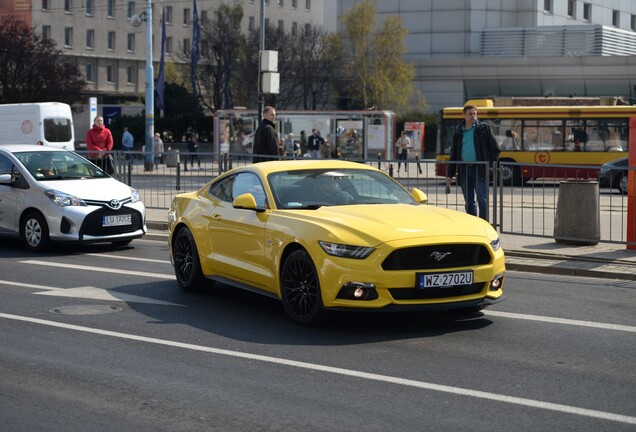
134	196
495	244
346	251
62	199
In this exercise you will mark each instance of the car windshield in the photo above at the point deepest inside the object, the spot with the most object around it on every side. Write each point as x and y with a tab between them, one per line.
312	189
58	165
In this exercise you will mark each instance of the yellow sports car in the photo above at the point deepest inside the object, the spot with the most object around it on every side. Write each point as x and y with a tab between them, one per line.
331	234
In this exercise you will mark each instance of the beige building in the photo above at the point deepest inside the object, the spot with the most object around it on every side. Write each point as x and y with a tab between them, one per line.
100	36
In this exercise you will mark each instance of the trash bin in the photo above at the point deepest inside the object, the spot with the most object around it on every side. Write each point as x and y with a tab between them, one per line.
171	158
578	216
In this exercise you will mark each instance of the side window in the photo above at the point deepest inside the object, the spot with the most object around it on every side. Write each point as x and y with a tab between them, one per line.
223	189
247	182
5	165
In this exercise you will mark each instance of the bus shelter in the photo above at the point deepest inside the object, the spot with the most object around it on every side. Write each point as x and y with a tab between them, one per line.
350	134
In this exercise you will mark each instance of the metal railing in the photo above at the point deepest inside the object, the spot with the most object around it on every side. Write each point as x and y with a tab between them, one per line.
527	209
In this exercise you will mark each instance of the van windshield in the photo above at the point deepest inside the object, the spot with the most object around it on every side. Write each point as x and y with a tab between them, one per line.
57	129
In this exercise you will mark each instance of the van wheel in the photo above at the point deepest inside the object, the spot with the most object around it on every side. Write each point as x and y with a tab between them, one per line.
35	232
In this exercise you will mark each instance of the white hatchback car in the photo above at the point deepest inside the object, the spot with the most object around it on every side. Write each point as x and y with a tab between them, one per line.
48	194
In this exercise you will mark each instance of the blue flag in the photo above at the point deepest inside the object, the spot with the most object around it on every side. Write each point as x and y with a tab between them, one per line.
196	35
161	76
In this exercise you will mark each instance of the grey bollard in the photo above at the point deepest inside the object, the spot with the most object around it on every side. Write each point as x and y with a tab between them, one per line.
171	158
578	216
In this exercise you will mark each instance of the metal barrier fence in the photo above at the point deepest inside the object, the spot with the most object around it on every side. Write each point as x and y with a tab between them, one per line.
528	209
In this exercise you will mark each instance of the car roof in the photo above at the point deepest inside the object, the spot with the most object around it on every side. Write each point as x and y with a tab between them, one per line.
304	164
16	148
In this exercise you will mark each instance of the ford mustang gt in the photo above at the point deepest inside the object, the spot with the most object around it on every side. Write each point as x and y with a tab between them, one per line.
331	234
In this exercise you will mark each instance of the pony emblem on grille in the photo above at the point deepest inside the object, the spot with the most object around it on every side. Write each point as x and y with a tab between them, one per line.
439	255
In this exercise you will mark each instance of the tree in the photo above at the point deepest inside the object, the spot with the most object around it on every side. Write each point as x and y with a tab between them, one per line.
32	69
222	47
307	85
374	70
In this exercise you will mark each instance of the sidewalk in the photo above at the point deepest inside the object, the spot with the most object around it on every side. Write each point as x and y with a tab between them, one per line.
523	253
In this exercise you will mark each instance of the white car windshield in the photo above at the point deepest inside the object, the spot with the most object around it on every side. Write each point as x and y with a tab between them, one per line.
58	165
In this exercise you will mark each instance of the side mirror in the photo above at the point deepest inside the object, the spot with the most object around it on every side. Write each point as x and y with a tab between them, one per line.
420	196
246	201
5	179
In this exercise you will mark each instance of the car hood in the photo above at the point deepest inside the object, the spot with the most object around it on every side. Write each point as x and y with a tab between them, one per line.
385	223
103	189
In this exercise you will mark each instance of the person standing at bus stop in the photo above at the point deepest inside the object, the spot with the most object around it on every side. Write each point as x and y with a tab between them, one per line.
99	142
266	139
473	143
127	142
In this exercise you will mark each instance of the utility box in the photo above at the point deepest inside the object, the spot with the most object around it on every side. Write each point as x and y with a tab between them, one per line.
171	158
578	215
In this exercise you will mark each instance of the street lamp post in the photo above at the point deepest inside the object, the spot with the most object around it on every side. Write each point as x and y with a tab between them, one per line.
261	48
150	90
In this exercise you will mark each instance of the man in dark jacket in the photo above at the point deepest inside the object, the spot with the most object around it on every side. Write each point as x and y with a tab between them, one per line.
473	142
265	139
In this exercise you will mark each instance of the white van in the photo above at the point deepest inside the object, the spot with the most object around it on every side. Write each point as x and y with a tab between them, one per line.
43	123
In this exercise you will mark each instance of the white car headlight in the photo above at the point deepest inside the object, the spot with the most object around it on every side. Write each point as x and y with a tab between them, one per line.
134	196
63	199
346	251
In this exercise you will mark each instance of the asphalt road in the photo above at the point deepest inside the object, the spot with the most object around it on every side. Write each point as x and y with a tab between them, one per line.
101	338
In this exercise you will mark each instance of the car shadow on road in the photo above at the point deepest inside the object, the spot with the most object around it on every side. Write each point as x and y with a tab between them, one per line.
243	316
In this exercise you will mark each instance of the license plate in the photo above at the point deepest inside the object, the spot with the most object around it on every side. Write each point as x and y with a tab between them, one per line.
117	220
433	280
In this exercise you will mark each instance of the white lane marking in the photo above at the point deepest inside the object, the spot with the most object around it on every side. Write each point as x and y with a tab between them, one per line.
129	258
564	321
568	409
99	269
89	292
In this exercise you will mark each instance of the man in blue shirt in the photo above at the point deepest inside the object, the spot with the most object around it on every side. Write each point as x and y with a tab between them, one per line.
127	142
473	144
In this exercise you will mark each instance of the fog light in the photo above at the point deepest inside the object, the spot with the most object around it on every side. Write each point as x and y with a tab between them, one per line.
358	291
496	283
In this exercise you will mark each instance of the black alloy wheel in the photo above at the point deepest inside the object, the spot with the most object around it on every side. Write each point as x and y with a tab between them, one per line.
300	289
622	183
187	267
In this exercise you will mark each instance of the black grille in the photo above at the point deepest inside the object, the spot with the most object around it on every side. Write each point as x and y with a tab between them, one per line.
433	293
437	257
92	224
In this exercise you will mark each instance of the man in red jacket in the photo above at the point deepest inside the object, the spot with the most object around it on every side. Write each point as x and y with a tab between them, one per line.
99	142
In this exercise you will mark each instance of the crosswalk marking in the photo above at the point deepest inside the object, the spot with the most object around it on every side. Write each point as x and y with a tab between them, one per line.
100	269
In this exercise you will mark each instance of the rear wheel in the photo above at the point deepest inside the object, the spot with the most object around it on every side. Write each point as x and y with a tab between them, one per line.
300	289
187	266
35	232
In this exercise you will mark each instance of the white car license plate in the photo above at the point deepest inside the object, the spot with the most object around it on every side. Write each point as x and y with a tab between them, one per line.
433	280
117	220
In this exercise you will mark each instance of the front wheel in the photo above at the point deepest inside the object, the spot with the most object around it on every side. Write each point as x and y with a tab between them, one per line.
300	289
622	183
511	175
35	232
187	267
